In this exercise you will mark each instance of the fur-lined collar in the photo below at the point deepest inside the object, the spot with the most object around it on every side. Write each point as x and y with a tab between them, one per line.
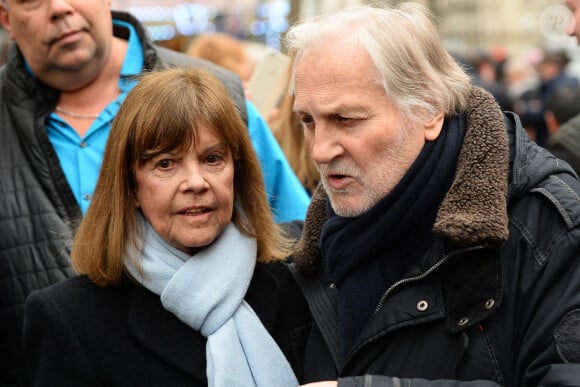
474	210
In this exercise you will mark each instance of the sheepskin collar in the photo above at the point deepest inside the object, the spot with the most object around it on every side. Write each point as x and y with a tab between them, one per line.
474	210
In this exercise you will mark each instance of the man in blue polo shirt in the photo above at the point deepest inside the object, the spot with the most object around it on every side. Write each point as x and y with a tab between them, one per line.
71	67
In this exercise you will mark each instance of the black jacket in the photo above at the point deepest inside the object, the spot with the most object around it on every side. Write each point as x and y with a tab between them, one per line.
496	299
77	334
37	207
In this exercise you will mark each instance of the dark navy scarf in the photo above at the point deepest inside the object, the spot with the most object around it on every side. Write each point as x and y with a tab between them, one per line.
367	254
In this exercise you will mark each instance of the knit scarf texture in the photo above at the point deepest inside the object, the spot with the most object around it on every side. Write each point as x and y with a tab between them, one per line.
206	291
367	254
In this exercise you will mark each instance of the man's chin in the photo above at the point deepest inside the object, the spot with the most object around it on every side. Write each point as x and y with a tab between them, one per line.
347	206
72	62
74	56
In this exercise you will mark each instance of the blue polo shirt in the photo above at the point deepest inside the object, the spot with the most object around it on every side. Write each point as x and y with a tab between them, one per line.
287	196
80	158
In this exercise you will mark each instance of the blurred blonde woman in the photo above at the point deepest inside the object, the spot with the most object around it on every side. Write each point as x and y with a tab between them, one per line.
224	50
290	135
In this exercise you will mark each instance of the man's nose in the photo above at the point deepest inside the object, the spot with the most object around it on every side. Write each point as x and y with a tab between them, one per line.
324	145
60	8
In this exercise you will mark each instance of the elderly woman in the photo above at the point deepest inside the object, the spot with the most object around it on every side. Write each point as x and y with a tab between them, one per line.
182	280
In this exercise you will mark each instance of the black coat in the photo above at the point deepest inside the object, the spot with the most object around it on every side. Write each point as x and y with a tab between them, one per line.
78	334
37	207
494	301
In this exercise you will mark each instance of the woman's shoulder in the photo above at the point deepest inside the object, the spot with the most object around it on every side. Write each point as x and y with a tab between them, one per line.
70	287
80	283
77	293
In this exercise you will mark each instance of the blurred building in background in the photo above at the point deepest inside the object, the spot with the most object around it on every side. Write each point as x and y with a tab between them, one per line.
516	25
467	25
175	22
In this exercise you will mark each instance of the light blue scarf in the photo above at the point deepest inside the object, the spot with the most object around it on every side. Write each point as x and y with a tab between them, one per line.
206	291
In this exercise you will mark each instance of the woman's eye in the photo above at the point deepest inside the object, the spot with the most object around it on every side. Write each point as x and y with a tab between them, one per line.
214	159
164	164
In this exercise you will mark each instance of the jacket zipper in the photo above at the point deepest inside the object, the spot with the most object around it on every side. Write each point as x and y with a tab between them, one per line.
446	257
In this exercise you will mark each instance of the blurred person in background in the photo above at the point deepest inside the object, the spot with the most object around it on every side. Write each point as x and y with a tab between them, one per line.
563	128
522	80
563	112
552	75
280	173
288	131
562	106
231	53
68	72
224	50
181	262
565	143
487	76
441	247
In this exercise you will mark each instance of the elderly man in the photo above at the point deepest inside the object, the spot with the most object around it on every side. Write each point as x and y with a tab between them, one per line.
441	248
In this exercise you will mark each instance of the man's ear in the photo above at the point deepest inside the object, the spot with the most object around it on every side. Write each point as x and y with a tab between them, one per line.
5	19
433	128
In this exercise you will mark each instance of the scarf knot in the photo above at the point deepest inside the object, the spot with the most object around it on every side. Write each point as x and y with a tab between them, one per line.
206	291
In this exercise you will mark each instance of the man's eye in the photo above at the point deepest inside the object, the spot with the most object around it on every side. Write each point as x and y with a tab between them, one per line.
306	119
340	118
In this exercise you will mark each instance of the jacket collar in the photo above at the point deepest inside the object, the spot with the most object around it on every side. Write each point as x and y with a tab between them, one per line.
474	210
149	50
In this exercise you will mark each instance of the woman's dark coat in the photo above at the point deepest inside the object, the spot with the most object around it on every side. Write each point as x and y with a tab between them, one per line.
78	334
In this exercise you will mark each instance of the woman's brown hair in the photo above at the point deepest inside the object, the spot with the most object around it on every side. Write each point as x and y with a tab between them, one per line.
164	112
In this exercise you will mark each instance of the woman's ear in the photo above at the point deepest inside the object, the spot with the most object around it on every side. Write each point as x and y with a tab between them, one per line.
433	128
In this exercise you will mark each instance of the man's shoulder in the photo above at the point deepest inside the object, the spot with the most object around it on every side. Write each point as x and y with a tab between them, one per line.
172	58
175	58
562	190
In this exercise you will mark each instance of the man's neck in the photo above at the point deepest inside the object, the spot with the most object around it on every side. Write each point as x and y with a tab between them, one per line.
92	98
